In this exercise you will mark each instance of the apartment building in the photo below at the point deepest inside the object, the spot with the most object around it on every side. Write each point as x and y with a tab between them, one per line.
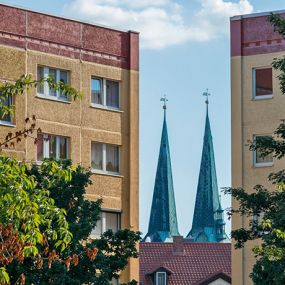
257	109
100	131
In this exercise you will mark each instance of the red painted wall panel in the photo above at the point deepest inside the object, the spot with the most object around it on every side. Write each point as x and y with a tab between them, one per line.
53	29
12	20
258	29
105	40
254	35
69	38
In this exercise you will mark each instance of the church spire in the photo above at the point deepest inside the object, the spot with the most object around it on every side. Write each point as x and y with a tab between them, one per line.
207	221
163	220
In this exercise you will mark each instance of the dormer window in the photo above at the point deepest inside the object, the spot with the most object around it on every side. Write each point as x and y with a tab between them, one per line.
160	278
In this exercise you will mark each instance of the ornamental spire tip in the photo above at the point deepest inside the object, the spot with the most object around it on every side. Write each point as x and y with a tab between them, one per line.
207	94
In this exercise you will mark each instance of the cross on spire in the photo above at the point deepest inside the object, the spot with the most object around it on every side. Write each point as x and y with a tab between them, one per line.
207	94
164	99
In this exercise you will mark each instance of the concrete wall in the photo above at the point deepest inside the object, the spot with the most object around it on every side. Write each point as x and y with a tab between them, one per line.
253	44
30	39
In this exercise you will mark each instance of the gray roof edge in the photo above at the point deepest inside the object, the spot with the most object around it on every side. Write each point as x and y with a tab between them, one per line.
67	18
259	14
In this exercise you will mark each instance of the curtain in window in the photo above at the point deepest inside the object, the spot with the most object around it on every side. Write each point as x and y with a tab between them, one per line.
97	231
7	102
112	158
112	221
52	74
63	148
96	91
97	156
259	157
52	147
263	82
40	147
64	79
40	87
112	91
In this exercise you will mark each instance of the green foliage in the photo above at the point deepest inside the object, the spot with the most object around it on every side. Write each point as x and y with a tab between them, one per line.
112	251
31	211
266	207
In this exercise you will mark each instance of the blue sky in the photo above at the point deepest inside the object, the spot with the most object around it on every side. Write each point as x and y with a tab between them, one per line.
184	50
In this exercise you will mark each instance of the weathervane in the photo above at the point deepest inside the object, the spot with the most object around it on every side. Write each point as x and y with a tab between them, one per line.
164	99
207	94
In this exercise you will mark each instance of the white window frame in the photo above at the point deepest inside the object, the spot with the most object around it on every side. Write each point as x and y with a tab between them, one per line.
254	97
260	164
46	146
104	94
46	93
104	159
10	123
103	221
156	277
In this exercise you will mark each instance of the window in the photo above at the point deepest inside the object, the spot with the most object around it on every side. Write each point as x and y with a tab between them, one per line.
7	118
258	159
257	224
262	83
105	157
50	146
108	221
105	93
160	278
58	75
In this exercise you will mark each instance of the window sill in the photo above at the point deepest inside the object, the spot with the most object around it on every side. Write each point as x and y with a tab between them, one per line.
7	124
97	106
51	98
263	97
265	164
100	172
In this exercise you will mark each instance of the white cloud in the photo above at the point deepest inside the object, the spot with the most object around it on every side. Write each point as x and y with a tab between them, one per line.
161	23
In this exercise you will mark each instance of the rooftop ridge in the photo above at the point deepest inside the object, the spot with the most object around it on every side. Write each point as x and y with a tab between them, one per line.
257	14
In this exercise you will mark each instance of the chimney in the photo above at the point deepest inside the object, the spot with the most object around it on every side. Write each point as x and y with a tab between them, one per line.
178	245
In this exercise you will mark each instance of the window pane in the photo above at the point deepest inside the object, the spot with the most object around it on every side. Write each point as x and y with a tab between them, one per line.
7	102
263	82
52	147
52	74
112	158
112	221
64	79
161	278
259	158
40	147
40	87
97	156
63	148
97	231
96	91
112	93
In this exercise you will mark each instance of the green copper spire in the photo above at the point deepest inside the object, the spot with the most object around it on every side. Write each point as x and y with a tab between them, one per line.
208	215
163	221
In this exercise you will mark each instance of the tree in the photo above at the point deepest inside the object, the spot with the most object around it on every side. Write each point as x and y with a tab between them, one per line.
29	219
266	207
45	220
83	257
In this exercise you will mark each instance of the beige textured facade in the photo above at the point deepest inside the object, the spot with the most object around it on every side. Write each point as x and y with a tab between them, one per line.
78	120
254	46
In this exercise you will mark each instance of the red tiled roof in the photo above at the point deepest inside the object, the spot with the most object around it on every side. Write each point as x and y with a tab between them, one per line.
197	262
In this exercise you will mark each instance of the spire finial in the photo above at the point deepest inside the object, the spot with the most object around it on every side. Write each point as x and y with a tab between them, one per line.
207	94
164	99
